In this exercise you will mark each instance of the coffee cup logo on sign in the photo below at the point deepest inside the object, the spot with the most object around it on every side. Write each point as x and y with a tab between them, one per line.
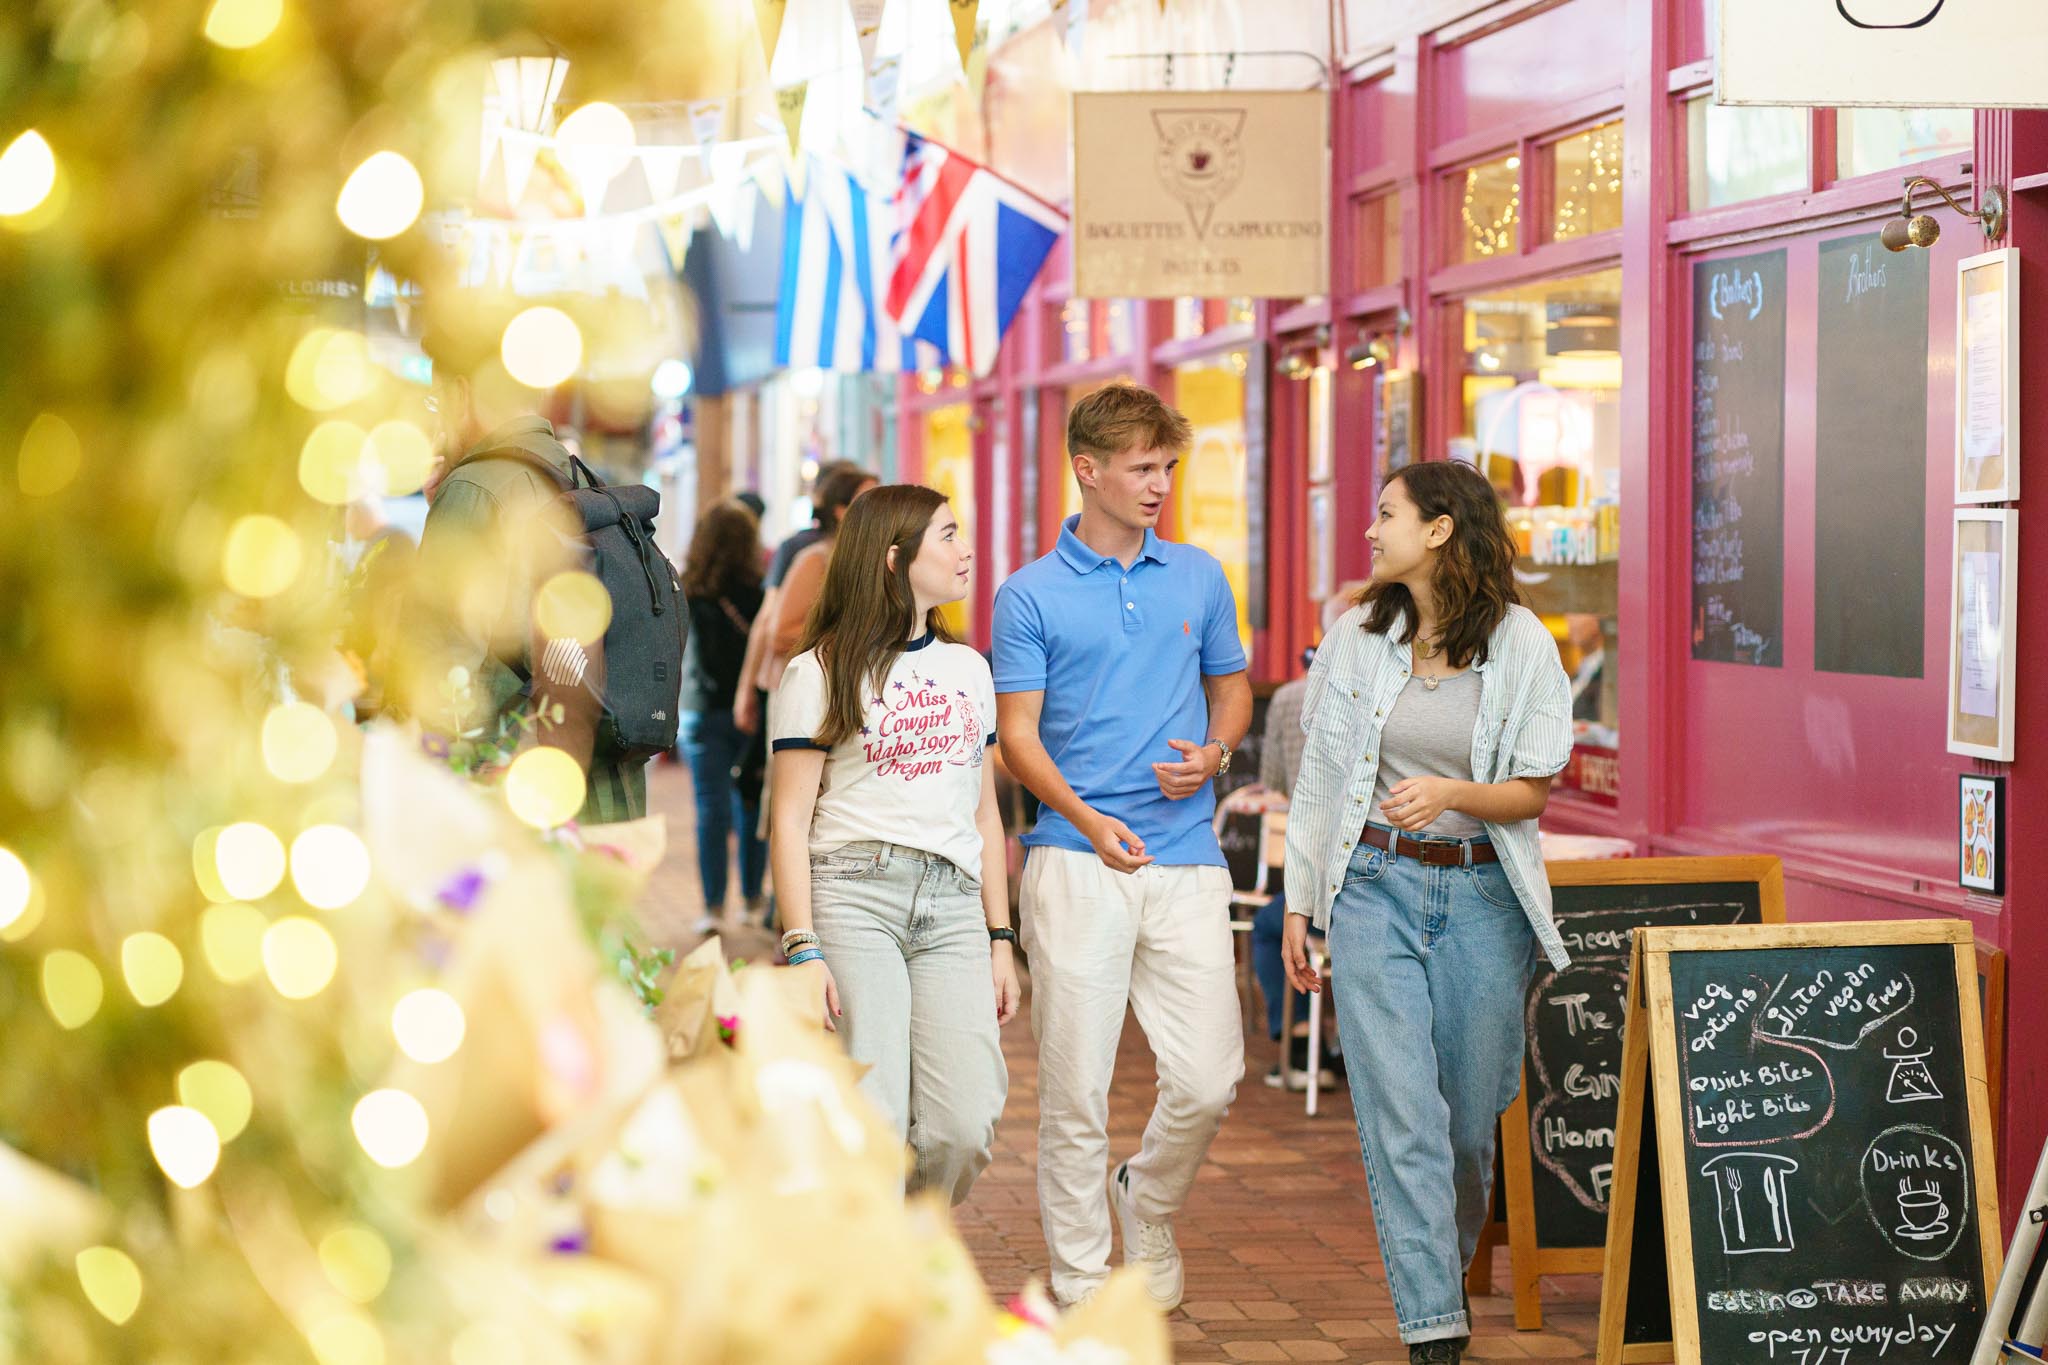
1889	13
1200	158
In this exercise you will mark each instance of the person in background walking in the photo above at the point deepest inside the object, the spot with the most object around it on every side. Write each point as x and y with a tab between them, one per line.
887	841
805	580
1436	715
722	594
1121	688
1279	762
752	704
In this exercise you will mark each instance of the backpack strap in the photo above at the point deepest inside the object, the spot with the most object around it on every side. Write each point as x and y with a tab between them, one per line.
532	454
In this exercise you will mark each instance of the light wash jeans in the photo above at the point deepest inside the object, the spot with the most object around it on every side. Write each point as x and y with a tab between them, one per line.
1430	968
904	935
1158	941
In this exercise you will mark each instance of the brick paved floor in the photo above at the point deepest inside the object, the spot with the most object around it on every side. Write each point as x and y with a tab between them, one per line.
1281	1260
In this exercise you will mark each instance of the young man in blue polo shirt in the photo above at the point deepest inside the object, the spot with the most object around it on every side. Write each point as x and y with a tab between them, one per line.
1120	692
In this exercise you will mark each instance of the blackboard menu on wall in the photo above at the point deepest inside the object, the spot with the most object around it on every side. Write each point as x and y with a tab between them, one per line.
1573	1066
1870	486
1738	459
1827	1153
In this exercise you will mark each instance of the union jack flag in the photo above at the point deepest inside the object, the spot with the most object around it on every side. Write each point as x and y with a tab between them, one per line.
967	246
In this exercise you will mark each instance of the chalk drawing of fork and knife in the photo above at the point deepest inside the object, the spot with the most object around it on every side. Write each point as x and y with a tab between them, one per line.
1755	1214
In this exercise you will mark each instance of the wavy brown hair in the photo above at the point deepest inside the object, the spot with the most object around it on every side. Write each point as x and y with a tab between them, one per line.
725	551
864	613
1474	576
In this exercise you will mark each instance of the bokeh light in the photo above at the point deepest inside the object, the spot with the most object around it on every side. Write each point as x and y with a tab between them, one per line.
249	860
330	866
242	23
221	1093
112	1282
332	463
382	197
346	1339
28	172
185	1145
152	967
232	938
429	1025
400	456
299	957
573	606
50	458
72	988
544	787
391	1126
15	888
356	1262
542	347
298	741
329	369
262	556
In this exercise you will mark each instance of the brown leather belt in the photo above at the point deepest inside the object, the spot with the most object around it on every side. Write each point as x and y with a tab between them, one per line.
1431	853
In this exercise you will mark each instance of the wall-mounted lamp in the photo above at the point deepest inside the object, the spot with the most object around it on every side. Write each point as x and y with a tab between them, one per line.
1920	229
1295	365
1369	352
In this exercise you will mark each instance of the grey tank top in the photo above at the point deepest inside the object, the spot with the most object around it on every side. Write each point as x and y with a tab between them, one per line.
1429	734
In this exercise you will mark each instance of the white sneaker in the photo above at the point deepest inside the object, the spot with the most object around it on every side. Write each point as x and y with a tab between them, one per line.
1150	1245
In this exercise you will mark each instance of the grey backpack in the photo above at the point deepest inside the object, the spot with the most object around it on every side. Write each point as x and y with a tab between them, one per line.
643	645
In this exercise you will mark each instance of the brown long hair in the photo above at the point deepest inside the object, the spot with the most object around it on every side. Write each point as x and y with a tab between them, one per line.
725	551
864	612
1474	577
839	483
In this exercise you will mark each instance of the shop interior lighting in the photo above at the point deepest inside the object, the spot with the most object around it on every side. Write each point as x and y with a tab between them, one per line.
1369	352
1920	229
528	88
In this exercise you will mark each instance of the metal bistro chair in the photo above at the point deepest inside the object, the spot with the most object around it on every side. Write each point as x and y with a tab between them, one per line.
1246	902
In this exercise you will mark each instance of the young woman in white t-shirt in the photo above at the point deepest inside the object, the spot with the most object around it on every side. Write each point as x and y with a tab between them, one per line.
885	838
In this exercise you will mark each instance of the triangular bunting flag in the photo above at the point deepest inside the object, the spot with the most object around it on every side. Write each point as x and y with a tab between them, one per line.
664	167
675	238
789	105
1077	20
707	121
520	150
964	14
885	89
487	148
977	65
768	19
867	28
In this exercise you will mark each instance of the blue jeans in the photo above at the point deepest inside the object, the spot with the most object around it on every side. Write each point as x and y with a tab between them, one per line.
1267	925
1430	967
713	747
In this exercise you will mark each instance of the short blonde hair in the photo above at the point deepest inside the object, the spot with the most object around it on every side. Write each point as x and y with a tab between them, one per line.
1126	417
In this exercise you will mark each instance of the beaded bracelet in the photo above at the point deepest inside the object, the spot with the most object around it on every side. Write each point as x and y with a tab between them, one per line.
807	955
797	937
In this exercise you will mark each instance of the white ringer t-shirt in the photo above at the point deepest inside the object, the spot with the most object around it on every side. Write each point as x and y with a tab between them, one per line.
911	775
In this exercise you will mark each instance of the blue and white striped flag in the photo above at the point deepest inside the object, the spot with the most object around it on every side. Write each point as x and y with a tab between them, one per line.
836	263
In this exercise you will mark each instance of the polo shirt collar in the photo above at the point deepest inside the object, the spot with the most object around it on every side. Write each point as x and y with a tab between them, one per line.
1084	560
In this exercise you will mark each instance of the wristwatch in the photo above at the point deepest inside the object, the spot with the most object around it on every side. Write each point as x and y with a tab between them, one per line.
1224	766
1003	935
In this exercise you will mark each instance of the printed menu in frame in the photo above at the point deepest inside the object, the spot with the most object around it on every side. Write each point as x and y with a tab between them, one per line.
1988	377
1982	654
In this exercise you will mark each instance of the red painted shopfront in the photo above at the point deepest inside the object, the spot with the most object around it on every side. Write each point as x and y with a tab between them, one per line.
1526	195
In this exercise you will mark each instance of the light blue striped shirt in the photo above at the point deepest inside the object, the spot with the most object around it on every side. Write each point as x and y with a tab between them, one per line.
1524	730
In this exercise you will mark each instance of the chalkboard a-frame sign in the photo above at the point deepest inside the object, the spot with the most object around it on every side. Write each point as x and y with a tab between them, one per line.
1557	1139
1824	1183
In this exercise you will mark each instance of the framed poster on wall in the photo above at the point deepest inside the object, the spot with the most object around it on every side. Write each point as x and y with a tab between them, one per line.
1982	654
1988	377
1980	846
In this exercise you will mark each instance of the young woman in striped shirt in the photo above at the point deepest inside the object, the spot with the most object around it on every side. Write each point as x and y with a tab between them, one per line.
1436	716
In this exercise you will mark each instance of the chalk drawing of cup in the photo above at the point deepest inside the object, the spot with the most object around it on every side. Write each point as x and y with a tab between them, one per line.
1923	1213
1889	13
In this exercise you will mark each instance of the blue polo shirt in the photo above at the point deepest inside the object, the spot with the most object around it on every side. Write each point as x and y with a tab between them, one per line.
1120	655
